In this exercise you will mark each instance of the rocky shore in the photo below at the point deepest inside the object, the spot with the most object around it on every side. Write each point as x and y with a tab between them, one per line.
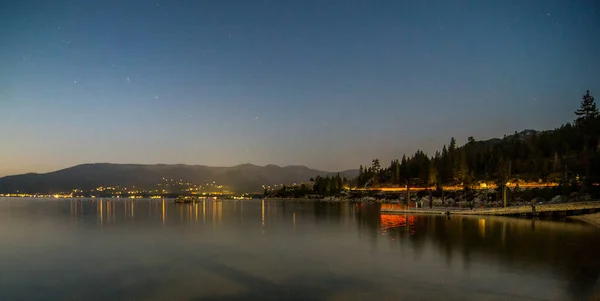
475	199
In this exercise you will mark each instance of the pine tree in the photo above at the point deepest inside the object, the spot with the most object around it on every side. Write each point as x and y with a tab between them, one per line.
588	110
463	170
404	168
376	165
433	173
397	172
452	147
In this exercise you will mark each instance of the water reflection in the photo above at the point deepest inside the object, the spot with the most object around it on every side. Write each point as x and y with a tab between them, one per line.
164	212
532	244
482	227
316	251
101	211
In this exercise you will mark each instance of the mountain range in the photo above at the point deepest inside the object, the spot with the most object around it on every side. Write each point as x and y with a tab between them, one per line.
240	178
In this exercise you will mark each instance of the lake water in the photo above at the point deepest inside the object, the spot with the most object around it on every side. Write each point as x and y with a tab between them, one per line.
56	249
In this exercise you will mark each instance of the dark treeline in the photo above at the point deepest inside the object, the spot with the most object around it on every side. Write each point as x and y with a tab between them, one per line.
568	153
319	186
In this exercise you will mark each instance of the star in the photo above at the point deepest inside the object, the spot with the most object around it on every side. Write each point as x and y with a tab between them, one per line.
74	81
127	79
256	117
156	97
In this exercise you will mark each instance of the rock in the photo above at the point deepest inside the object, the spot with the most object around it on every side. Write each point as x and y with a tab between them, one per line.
537	200
579	197
557	199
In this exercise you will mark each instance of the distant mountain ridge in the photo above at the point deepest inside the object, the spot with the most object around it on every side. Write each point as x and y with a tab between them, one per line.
240	178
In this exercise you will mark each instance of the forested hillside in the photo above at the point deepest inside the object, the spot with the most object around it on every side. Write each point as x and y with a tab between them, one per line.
568	153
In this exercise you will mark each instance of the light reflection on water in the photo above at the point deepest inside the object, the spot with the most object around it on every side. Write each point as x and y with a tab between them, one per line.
107	249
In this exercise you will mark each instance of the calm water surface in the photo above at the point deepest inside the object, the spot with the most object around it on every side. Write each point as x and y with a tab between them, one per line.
284	250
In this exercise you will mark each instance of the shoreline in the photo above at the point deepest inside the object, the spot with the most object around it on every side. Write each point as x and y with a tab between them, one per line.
592	218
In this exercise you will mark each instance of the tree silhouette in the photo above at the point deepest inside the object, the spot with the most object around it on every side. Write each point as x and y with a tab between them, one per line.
376	165
587	111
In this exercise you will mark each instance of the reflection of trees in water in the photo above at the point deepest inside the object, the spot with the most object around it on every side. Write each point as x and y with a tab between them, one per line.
367	218
328	211
568	249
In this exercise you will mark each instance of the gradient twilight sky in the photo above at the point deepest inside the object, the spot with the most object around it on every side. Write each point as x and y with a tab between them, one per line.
327	84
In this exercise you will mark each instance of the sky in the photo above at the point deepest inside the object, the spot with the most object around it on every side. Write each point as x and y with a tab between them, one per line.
326	84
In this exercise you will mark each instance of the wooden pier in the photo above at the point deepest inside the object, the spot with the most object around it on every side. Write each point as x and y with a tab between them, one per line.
529	210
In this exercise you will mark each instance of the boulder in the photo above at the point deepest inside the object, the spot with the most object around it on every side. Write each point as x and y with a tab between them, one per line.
585	197
558	199
579	197
537	200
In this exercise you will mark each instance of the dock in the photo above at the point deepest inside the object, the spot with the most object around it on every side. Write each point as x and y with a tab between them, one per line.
529	210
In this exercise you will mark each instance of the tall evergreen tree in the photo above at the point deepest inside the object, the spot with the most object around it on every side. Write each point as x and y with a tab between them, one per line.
376	166
433	173
463	168
375	171
587	110
452	146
